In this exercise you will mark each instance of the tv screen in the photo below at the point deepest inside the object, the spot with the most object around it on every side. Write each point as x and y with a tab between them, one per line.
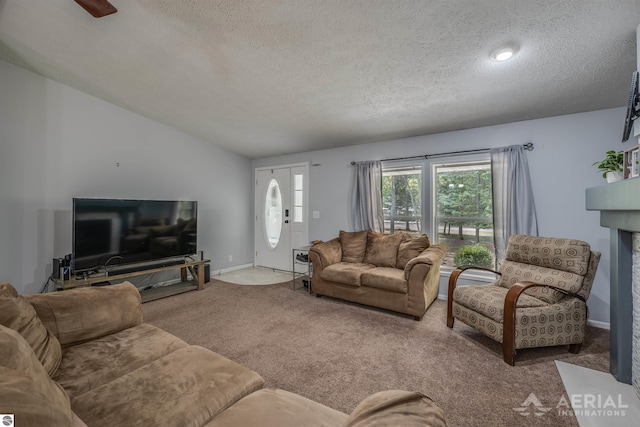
109	232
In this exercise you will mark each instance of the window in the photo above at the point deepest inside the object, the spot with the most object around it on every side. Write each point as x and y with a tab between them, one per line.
298	193
463	213
401	199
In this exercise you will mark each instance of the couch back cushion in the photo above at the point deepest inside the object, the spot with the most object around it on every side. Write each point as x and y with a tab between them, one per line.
382	249
25	387
84	314
410	247
17	314
354	245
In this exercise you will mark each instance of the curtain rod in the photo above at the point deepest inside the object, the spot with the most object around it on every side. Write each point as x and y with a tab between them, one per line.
528	146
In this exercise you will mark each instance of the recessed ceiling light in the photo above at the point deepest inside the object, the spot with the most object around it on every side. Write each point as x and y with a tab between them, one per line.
503	53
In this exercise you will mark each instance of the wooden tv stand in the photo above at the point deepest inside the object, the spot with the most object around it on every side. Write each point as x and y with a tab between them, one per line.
195	268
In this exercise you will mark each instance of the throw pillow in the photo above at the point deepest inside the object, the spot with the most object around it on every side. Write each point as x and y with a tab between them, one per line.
410	248
382	249
354	245
25	388
17	314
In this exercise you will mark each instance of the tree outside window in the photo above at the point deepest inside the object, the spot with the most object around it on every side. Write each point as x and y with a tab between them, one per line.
464	213
402	200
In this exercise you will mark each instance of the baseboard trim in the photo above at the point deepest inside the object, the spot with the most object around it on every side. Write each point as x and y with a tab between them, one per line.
594	323
230	269
598	324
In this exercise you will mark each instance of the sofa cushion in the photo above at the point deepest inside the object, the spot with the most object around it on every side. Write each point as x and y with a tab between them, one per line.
188	386
278	408
17	314
396	408
83	314
347	273
354	245
382	249
6	290
410	247
387	278
25	387
83	366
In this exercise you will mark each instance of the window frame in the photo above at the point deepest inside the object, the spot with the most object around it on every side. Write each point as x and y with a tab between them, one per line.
406	164
428	201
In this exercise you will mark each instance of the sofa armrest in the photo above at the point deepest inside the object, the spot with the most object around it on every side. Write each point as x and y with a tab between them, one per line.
431	256
84	314
327	253
397	408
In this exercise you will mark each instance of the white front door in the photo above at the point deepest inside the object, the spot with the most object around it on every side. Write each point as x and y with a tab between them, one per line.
281	215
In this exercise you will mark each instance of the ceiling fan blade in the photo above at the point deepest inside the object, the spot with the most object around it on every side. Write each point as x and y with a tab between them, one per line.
97	8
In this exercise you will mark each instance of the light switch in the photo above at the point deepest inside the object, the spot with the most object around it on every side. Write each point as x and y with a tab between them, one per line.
316	214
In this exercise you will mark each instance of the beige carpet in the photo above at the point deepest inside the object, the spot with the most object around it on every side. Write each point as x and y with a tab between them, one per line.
254	276
338	353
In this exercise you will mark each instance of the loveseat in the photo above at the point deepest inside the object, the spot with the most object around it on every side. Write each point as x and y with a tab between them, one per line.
84	357
397	272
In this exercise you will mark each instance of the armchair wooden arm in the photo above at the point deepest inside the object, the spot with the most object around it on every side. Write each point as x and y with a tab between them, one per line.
509	320
453	280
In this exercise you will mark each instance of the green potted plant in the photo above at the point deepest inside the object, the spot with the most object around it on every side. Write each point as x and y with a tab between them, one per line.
611	166
473	256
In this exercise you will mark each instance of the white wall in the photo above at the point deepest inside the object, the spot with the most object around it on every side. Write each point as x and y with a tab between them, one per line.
57	143
561	169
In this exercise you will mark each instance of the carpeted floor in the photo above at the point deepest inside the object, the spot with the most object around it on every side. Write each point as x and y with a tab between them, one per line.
338	353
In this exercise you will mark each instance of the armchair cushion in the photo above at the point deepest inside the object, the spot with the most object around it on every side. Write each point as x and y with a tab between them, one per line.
410	247
17	314
354	245
560	254
382	249
513	272
488	300
547	325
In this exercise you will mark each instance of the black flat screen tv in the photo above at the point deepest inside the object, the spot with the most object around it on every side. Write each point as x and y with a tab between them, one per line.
111	232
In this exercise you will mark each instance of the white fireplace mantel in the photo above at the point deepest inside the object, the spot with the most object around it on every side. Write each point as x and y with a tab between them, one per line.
619	206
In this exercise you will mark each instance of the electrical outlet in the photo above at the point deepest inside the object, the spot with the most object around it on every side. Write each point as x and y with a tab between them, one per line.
316	214
230	258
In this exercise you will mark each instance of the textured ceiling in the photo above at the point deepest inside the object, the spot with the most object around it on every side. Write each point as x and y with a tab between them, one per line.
268	77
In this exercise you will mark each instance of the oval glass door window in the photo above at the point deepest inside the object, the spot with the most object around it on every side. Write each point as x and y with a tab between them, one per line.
273	213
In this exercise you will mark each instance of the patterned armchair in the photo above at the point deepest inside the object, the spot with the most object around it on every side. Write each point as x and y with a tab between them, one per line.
539	299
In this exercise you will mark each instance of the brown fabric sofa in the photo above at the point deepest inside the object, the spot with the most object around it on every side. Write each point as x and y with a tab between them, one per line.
396	272
84	357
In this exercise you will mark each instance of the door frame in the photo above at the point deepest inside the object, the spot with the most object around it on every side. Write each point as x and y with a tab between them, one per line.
256	205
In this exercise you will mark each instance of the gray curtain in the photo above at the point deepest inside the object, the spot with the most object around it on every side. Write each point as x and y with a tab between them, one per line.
366	207
513	209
